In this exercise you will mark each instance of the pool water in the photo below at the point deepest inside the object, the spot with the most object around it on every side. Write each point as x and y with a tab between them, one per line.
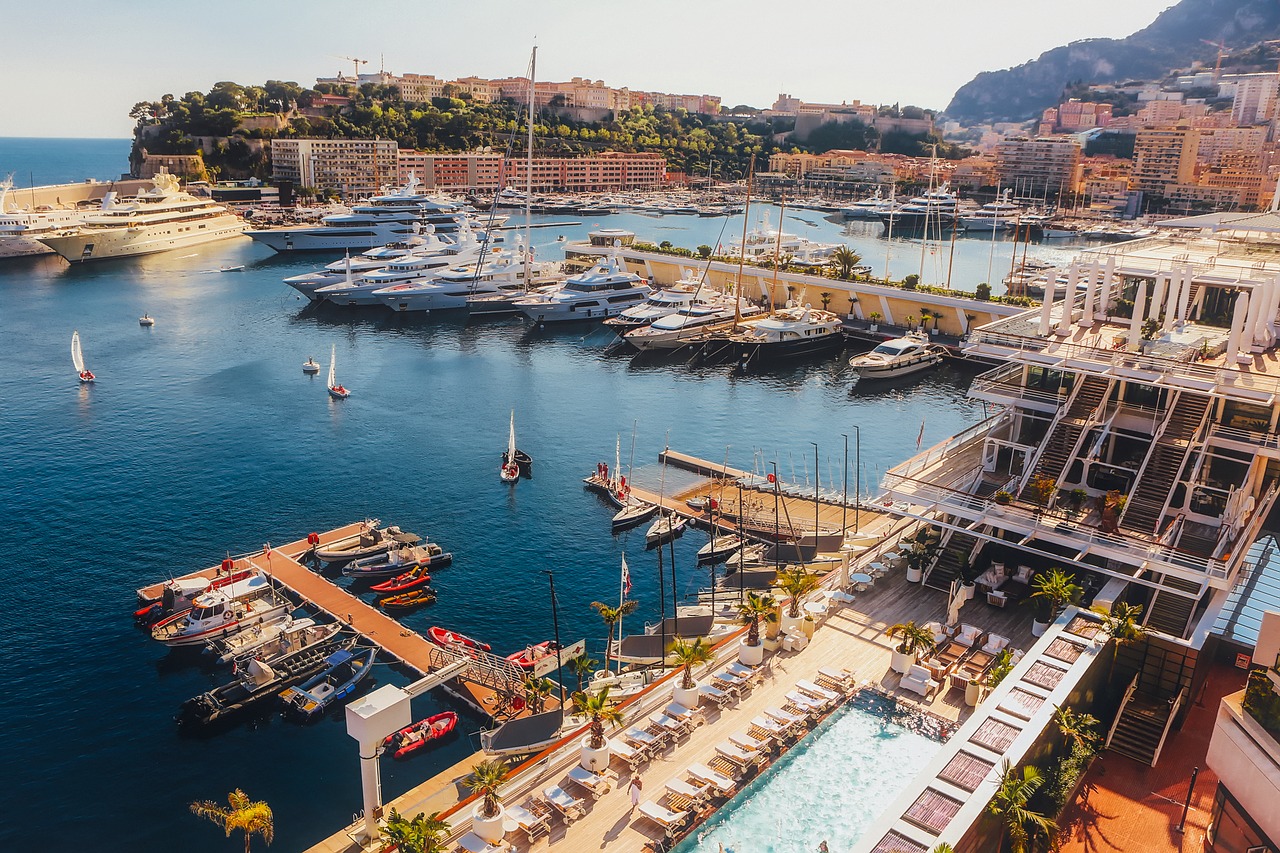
829	787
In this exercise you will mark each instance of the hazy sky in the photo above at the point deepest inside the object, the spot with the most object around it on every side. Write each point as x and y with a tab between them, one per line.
76	67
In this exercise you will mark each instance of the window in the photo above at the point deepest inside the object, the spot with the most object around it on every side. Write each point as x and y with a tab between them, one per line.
1232	831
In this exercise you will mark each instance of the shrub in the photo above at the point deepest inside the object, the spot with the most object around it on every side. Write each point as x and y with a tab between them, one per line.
911	281
983	291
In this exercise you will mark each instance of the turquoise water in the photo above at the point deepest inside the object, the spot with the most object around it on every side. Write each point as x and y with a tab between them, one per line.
829	787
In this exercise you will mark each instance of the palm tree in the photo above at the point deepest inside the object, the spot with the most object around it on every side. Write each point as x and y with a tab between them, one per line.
797	583
754	608
1079	728
251	818
536	692
943	847
1009	803
597	709
610	616
420	835
689	655
914	638
825	296
1121	622
485	779
1056	589
582	666
845	260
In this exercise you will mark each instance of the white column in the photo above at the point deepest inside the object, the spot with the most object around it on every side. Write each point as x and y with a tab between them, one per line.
1237	323
1090	292
370	788
1068	299
1260	330
1110	285
844	568
1046	307
1251	318
1274	309
1158	293
1184	301
1135	322
1171	301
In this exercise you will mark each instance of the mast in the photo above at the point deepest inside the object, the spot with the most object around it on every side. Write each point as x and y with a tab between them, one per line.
528	174
511	440
777	246
742	252
617	463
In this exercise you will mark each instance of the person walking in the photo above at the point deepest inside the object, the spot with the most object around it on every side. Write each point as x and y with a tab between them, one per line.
633	791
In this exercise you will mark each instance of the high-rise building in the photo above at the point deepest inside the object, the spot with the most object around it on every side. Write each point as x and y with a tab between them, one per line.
1038	166
1255	98
351	167
1164	157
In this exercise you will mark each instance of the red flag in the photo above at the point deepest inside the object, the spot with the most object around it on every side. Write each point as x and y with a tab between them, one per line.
626	577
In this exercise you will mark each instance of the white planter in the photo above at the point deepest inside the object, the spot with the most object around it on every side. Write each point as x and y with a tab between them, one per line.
901	662
874	327
750	655
595	760
488	828
790	624
1038	628
807	626
914	575
972	694
687	698
970	590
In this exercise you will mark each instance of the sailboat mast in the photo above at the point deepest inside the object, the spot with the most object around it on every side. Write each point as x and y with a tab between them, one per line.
528	173
777	246
742	252
617	462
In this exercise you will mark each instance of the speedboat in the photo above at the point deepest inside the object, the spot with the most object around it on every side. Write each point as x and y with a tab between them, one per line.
296	634
530	655
789	333
222	612
370	542
421	734
452	639
310	366
146	320
412	579
691	322
227	649
668	526
178	594
660	303
397	561
898	357
604	291
621	685
343	672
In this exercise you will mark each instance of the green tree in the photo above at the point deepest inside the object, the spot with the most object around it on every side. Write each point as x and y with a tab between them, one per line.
845	259
1054	590
598	710
1009	804
688	655
537	691
1080	729
1120	621
754	608
610	616
797	583
913	638
704	251
250	817
486	779
423	834
582	666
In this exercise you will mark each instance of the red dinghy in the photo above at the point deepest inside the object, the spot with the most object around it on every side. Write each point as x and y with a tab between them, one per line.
411	579
527	657
444	637
421	733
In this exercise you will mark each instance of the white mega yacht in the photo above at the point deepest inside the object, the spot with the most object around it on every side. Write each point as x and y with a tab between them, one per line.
158	220
660	303
712	314
998	215
366	262
498	272
605	290
22	228
414	268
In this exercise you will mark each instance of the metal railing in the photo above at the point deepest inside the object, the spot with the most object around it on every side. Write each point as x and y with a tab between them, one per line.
1168	724
962	440
1124	703
1256	438
1006	382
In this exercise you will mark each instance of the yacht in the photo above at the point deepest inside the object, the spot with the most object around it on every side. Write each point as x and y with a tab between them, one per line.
414	268
450	288
605	290
366	262
157	220
868	208
692	321
20	230
661	303
898	357
764	242
788	333
997	215
937	208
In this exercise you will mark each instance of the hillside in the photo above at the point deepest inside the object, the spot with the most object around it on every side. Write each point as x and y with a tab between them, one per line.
1174	39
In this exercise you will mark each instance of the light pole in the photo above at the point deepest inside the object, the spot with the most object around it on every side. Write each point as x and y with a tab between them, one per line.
555	622
857	472
777	531
844	490
815	501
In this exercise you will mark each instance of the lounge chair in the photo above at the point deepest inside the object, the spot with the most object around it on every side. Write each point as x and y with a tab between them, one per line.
592	783
643	740
532	824
729	681
802	700
753	674
918	680
570	807
843	677
473	843
842	597
995	644
968	635
736	754
627	754
672	727
940	632
694	793
687	716
747	742
722	784
787	719
663	816
775	728
807	686
715	694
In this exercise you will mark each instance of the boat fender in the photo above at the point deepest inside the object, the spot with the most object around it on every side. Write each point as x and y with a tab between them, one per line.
313	538
228	615
228	565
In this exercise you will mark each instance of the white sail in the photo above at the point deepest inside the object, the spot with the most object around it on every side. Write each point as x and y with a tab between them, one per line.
511	440
333	355
77	357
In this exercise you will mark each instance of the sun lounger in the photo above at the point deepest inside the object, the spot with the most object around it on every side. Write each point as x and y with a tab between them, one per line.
722	784
627	754
593	783
570	807
688	716
532	824
736	754
694	793
642	739
662	816
842	677
775	728
734	681
807	686
715	694
784	717
842	597
810	704
747	742
473	843
725	767
752	674
668	724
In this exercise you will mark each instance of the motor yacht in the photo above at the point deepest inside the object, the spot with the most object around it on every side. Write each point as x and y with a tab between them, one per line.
898	357
413	269
603	291
369	261
661	303
788	333
999	215
936	209
452	287
692	321
21	229
868	208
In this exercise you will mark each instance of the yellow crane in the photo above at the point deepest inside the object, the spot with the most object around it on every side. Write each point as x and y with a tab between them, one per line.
356	62
1222	51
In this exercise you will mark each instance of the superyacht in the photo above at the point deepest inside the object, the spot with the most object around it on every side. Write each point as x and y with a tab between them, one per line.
604	291
21	229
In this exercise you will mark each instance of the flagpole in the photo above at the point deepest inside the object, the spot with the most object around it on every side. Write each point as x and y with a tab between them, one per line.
622	599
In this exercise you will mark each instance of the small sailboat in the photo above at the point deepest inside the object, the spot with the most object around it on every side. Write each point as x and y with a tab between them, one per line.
510	471
146	320
77	358
310	367
668	526
235	268
631	515
336	391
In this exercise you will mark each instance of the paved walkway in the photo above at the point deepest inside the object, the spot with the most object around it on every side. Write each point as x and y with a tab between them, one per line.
1128	807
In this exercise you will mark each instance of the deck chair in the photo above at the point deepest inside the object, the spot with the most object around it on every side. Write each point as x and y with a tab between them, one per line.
753	674
739	756
687	716
534	826
695	793
786	718
748	743
808	687
720	783
775	728
661	815
627	754
800	700
594	784
715	694
473	843
568	806
835	679
643	740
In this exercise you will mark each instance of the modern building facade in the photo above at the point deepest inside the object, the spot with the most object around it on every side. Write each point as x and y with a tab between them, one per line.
488	171
350	167
1044	165
1163	157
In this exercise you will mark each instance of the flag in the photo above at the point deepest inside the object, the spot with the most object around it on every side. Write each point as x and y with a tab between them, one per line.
626	577
920	437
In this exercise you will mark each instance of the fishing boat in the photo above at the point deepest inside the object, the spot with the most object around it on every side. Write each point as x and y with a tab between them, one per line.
667	527
415	577
310	366
903	356
296	634
719	548
336	391
636	513
410	599
227	649
396	561
510	471
222	612
368	542
421	734
447	639
530	655
177	595
255	682
77	359
146	320
344	670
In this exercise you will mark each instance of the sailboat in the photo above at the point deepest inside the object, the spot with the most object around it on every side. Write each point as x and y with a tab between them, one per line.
668	526
336	391
510	471
77	358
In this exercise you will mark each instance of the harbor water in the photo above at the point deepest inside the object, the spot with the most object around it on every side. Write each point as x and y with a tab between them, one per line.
202	436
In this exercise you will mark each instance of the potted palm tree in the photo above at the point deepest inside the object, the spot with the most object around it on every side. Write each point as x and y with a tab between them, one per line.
582	666
796	583
754	608
687	655
596	708
1122	625
1053	591
912	640
487	819
874	317
1009	804
251	818
421	835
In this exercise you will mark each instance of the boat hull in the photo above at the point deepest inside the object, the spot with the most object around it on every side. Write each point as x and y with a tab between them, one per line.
105	243
752	354
894	370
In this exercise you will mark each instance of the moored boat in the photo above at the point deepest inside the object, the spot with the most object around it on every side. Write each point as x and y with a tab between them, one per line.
227	649
415	577
310	366
412	598
719	548
368	542
397	561
530	655
903	356
177	595
222	612
668	526
633	514
421	734
789	333
452	639
301	634
343	672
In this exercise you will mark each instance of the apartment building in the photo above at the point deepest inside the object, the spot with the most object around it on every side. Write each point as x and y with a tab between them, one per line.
350	167
1214	142
1038	166
487	171
1255	98
1243	173
1074	116
419	88
1164	157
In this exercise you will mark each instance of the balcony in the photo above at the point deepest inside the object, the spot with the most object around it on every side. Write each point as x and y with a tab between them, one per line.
1004	386
1246	758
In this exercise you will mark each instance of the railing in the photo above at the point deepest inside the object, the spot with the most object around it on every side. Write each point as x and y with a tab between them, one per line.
1006	381
1256	438
1128	694
1168	724
960	441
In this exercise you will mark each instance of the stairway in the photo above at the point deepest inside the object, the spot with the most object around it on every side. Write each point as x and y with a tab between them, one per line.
1140	728
1061	443
1169	612
1145	507
947	567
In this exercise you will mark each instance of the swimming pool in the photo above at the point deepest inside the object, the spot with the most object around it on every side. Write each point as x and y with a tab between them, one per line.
829	787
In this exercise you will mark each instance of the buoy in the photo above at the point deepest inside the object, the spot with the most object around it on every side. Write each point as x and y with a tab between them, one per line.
228	565
313	538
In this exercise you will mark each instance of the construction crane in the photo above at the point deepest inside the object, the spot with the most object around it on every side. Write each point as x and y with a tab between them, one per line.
1222	51
355	61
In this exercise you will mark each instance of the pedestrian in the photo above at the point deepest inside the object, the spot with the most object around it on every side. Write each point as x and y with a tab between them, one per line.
633	791
822	848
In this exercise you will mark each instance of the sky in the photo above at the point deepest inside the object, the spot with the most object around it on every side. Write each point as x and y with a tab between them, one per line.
84	63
